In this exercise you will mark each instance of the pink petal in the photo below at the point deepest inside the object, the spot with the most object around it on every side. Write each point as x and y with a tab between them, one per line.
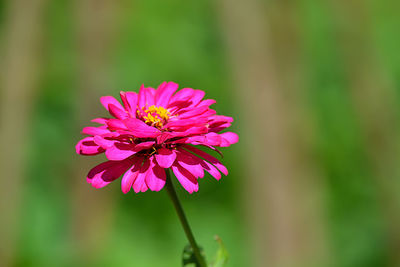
192	112
87	146
220	127
145	97
218	122
165	157
104	143
207	102
164	93
141	129
140	185
229	138
117	112
122	94
197	97
107	100
94	130
106	172
155	176
120	151
194	140
150	93
209	158
213	139
130	176
208	113
209	140
115	124
164	136
182	95
220	118
189	132
190	163
144	145
211	169
187	180
141	97
100	120
187	97
130	101
186	123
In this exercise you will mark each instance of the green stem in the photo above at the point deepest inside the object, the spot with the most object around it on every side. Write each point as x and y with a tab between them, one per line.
182	217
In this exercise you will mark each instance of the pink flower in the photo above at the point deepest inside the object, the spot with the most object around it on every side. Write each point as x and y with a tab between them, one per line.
155	130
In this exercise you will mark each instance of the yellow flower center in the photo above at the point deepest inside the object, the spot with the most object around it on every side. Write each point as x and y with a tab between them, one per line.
154	116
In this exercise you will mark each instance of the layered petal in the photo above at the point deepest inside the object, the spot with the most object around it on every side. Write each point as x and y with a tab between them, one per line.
100	120
94	130
207	102
115	124
106	172
130	176
197	97
209	158
139	185
193	112
141	129
211	139
211	169
117	112
146	97
107	100
164	93
165	136
191	163
120	150
130	100
228	139
87	146
103	142
185	124
185	178
155	176
165	157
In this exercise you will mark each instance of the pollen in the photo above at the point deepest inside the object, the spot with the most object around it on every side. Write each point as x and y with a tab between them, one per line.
154	116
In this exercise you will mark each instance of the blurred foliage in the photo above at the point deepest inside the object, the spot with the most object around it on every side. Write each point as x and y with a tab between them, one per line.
154	45
181	41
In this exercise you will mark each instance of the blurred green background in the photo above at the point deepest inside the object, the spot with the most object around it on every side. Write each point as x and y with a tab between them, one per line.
314	87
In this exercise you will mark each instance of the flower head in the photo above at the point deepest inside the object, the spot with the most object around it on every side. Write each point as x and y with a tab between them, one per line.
154	130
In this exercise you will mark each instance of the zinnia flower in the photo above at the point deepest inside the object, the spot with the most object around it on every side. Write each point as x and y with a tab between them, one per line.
155	130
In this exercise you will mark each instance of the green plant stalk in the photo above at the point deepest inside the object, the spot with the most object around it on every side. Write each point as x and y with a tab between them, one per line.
182	217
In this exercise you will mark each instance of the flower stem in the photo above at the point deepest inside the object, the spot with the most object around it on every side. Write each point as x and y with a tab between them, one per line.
182	217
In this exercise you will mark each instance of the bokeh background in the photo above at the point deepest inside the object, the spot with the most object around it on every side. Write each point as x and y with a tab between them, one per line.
314	87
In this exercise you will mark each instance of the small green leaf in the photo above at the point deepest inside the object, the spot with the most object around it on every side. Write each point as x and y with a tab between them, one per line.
221	258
